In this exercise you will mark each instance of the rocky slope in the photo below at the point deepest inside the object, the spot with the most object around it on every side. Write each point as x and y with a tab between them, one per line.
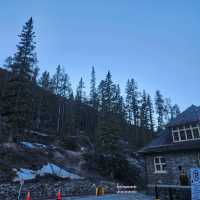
25	160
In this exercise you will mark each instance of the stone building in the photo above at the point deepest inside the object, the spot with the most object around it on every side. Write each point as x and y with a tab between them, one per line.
177	147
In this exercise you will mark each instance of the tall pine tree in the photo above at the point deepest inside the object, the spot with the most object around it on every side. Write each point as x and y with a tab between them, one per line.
144	111
159	105
107	92
132	102
93	90
45	81
80	93
56	80
167	109
66	87
150	113
17	98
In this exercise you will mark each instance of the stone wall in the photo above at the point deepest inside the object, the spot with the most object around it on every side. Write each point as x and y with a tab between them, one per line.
185	159
48	189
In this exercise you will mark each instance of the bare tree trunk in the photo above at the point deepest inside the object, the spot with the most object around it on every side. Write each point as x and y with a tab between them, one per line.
58	119
38	120
62	118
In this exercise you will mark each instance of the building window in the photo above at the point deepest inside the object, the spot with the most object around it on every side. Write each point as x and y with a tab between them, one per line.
182	135
187	132
176	136
187	126
160	164
195	133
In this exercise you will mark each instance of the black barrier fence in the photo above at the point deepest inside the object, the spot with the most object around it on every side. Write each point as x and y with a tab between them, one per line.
170	192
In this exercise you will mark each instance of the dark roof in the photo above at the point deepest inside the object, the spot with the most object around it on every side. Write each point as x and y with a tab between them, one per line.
164	142
190	115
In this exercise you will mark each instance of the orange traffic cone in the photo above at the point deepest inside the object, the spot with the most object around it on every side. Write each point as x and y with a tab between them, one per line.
59	195
28	196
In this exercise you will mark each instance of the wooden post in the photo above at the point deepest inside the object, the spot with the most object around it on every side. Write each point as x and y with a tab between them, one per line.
97	191
103	191
20	189
170	194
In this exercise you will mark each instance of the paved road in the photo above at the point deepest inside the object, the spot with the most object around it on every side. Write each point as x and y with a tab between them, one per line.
135	196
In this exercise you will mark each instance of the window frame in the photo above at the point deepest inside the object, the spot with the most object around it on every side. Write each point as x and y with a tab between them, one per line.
190	133
177	132
185	129
161	164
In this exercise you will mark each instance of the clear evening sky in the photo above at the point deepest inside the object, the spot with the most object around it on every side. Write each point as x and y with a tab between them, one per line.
156	42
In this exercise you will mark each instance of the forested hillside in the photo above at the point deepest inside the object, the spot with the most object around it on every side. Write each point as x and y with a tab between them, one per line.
112	123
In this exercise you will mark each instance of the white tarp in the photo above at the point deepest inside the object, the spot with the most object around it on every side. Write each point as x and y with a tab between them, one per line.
49	168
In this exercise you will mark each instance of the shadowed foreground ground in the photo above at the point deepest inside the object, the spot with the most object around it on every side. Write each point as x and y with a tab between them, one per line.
135	196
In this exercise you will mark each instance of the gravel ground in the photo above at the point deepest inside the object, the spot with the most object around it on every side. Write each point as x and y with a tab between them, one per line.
135	196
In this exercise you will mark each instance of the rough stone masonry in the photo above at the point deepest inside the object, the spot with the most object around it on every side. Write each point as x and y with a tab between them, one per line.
49	189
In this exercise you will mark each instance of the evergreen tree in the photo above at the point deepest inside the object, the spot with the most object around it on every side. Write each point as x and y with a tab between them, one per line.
107	94
36	100
93	90
59	90
8	63
25	57
108	132
101	95
144	111
65	91
150	113
56	80
80	93
128	102
66	87
45	81
17	98
159	105
118	101
175	111
132	102
109	90
110	159
35	74
167	109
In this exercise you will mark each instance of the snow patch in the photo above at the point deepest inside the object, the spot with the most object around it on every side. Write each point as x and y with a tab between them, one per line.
50	168
24	174
36	133
33	145
39	133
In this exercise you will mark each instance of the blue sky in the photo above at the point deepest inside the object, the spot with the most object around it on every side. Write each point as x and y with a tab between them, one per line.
156	42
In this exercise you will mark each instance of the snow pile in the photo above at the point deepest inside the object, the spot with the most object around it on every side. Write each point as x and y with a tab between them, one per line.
33	145
24	174
50	168
38	145
56	170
